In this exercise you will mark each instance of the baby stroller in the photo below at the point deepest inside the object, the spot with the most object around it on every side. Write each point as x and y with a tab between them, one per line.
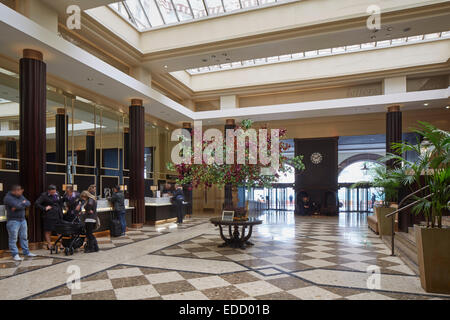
72	236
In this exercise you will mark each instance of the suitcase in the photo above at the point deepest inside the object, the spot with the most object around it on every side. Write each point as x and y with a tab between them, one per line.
115	229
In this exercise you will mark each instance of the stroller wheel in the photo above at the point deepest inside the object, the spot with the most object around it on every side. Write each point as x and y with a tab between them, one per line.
66	251
71	251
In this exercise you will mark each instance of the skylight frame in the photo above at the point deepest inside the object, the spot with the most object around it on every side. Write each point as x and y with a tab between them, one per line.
311	54
209	14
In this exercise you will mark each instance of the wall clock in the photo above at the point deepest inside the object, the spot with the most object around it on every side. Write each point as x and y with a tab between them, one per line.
316	158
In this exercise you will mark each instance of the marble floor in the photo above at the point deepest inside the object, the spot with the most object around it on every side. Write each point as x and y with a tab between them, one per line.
292	258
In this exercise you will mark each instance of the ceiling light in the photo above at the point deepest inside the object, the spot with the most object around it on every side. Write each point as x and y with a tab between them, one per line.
165	67
389	28
447	107
425	104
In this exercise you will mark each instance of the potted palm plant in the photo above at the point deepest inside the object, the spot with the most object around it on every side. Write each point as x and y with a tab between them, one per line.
387	186
431	169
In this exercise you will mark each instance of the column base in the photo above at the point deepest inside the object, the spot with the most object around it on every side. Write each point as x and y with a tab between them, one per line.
35	245
137	225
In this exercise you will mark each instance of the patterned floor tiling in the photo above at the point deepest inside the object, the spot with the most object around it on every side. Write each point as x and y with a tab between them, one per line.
145	233
300	256
9	267
134	283
313	258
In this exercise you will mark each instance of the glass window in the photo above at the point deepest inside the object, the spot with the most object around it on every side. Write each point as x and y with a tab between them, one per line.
183	10
137	14
9	121
167	11
231	5
214	7
152	12
198	8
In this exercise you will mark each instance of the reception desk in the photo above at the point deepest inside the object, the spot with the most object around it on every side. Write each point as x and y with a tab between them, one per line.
160	210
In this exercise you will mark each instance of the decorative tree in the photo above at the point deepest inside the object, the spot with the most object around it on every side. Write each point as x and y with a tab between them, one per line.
249	173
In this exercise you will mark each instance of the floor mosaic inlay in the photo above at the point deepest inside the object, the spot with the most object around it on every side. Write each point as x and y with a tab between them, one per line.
294	258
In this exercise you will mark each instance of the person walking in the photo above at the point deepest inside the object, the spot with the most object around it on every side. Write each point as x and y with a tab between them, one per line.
15	204
90	220
118	202
50	203
178	198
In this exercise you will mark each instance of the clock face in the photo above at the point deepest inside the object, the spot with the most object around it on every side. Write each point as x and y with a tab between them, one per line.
316	158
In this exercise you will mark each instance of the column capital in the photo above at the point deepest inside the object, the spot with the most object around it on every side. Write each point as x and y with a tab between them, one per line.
393	108
137	102
33	54
126	130
187	125
90	133
230	122
60	111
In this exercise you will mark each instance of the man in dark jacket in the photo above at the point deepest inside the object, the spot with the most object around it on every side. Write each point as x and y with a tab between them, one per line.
118	202
15	204
178	198
71	200
50	203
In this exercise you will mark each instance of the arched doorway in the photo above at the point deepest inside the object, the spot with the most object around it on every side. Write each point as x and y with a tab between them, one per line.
361	198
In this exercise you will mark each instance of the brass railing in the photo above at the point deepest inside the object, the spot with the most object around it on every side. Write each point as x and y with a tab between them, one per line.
400	209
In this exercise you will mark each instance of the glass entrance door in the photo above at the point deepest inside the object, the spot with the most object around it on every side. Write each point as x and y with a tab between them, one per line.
356	199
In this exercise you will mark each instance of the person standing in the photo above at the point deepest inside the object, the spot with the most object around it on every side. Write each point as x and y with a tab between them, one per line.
374	199
15	204
90	220
178	198
118	202
71	200
50	203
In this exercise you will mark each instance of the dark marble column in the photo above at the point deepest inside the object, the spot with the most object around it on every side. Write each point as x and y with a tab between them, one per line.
61	138
89	157
126	148
11	153
137	145
393	130
33	90
228	201
187	188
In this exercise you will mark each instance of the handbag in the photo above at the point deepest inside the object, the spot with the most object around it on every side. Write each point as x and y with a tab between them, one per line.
97	223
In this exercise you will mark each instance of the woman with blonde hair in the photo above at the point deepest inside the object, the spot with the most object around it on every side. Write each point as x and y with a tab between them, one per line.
93	190
90	220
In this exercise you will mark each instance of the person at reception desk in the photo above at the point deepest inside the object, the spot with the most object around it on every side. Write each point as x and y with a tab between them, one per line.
50	203
90	220
178	198
15	204
168	190
118	202
71	200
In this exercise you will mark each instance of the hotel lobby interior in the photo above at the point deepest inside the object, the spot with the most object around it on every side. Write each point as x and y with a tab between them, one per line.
94	92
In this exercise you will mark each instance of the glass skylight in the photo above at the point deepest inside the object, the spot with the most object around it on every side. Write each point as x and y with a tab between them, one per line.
321	52
146	14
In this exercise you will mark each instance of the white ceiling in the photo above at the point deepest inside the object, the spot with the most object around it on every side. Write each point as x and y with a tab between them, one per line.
61	5
70	63
73	64
315	41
